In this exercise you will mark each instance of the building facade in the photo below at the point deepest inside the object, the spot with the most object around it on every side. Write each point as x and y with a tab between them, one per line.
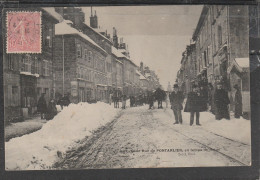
27	76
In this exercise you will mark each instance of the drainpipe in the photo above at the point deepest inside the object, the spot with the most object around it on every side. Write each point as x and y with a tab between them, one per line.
63	65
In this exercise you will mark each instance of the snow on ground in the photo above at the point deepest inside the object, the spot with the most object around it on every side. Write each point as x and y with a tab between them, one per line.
39	150
235	129
21	128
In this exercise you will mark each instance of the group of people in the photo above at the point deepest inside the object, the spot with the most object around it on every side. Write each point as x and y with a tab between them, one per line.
201	98
48	111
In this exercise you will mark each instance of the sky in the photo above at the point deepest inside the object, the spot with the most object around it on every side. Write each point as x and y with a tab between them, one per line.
156	35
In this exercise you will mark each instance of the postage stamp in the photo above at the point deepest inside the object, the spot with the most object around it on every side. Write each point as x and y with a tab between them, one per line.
23	32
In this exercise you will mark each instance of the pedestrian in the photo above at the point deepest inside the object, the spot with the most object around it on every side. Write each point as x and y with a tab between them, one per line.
211	97
238	102
176	100
123	101
150	100
221	102
52	110
42	106
193	104
64	101
203	98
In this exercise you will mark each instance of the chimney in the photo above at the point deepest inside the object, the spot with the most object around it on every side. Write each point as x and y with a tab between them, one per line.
93	20
142	67
115	38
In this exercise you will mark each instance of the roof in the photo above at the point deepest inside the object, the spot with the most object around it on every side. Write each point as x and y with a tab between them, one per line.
63	28
117	53
53	13
96	31
241	64
142	77
137	72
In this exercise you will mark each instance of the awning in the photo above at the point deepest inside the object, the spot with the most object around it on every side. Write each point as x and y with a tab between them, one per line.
241	64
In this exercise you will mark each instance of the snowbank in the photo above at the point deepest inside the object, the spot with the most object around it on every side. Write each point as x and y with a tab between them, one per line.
39	149
235	129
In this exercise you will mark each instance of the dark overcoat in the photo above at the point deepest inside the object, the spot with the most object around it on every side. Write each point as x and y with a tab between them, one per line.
238	103
221	101
42	105
194	103
176	99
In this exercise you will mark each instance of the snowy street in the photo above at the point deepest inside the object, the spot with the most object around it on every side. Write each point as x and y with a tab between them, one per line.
147	138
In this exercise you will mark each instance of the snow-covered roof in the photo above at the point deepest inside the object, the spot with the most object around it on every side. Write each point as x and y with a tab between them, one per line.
53	13
142	77
121	50
117	53
137	72
97	31
63	28
241	64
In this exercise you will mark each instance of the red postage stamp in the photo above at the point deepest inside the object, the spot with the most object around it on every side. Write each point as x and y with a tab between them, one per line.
23	32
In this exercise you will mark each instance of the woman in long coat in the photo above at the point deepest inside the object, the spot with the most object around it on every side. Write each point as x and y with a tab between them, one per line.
221	101
42	106
238	102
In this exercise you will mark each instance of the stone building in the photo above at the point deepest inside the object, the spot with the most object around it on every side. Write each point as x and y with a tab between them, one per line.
220	46
100	37
28	75
79	65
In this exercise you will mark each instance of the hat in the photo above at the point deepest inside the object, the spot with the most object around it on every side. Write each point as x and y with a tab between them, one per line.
175	86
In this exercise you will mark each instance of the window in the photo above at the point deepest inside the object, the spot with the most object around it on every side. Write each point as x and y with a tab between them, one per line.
79	55
85	54
45	68
219	35
90	56
10	62
26	64
36	66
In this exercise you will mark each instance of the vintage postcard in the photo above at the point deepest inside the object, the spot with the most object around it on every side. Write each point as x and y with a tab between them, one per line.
126	87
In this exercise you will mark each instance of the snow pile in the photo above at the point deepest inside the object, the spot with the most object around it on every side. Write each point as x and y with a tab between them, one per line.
40	149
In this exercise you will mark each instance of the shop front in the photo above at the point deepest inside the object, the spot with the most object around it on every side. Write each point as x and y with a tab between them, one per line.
28	95
239	75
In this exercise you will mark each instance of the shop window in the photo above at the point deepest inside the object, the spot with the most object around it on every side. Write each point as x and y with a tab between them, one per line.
10	62
79	55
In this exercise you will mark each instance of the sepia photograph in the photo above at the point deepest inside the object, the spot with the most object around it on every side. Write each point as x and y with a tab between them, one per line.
114	87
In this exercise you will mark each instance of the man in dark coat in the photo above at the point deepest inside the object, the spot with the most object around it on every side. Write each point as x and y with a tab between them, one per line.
221	101
42	106
238	102
193	104
176	100
52	110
